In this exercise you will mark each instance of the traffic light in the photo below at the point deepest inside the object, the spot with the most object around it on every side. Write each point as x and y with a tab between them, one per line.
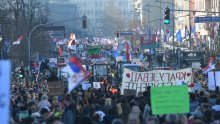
21	72
84	21
117	34
166	16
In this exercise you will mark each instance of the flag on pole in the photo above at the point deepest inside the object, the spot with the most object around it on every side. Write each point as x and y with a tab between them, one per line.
193	31
141	56
60	51
127	52
210	66
186	31
18	40
77	74
179	36
166	35
94	52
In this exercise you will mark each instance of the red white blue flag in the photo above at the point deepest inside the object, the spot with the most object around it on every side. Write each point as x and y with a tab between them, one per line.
18	40
77	74
210	66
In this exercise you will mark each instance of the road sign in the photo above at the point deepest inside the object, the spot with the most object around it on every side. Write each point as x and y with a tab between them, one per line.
207	19
125	33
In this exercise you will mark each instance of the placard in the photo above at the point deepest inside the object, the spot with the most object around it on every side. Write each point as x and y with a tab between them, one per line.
96	85
217	78
211	81
129	92
139	81
5	68
169	100
86	86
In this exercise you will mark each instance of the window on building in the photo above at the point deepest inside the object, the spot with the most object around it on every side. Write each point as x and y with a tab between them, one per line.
96	12
119	4
88	12
92	12
100	3
96	4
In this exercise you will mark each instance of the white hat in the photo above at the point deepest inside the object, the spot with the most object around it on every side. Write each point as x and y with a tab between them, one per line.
101	115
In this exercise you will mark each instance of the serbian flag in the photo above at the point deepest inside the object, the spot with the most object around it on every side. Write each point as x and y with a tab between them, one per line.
128	57
210	66
76	73
60	51
18	40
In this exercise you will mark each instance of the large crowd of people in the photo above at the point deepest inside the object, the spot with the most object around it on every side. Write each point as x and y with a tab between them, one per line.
32	104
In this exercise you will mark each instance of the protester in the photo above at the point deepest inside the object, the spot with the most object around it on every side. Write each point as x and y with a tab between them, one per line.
31	104
69	114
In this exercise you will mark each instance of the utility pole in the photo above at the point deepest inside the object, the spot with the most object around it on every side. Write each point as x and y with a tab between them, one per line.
160	32
190	28
219	24
173	33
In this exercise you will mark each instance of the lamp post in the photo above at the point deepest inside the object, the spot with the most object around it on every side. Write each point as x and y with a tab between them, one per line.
159	22
173	5
190	30
219	25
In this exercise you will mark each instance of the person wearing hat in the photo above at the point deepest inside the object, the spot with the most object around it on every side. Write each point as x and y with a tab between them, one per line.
44	102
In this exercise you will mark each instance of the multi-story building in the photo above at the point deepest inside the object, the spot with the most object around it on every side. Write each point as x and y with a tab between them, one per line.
152	13
95	12
63	10
207	32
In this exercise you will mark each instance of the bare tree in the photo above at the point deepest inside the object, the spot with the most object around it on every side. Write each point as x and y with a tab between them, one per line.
22	16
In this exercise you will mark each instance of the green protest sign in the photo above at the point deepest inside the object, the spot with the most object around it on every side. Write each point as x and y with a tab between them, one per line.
169	100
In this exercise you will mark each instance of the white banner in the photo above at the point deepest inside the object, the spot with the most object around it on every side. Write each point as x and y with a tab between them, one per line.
5	91
217	78
213	80
140	80
86	86
96	85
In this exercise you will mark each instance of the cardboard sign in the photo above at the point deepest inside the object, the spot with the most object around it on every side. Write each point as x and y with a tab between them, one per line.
139	81
96	85
56	88
129	92
5	69
86	86
169	100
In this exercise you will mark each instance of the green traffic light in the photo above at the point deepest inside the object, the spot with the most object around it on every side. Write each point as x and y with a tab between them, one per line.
20	76
166	21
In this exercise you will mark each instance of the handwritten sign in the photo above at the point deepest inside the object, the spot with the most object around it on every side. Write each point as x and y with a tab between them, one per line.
4	91
169	100
139	81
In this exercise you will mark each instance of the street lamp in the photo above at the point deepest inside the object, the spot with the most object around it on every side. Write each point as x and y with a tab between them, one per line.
190	2
160	23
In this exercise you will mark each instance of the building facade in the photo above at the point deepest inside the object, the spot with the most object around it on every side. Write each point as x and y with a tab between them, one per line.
94	10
